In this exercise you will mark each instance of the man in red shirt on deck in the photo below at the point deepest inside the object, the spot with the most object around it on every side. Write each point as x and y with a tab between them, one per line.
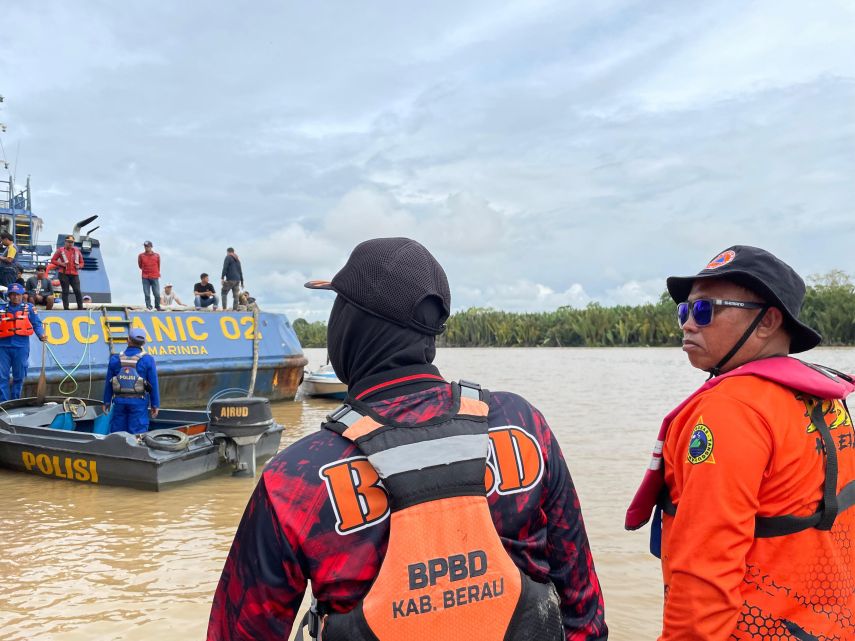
149	263
326	512
68	261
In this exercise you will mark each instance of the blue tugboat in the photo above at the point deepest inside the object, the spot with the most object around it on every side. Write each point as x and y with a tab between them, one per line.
199	355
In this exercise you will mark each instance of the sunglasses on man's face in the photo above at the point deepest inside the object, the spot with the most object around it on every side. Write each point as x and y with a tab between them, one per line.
702	309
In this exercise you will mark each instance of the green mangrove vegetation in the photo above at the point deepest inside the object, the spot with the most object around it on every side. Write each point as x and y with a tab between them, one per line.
829	307
310	334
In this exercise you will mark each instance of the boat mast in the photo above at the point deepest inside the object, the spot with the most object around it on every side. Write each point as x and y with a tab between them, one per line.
6	201
13	203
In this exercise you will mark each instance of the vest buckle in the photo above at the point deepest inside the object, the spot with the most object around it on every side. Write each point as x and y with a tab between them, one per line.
338	413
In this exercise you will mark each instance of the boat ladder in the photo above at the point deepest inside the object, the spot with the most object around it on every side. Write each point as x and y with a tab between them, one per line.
115	329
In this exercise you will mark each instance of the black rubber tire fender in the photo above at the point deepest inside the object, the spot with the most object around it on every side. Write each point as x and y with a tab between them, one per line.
167	440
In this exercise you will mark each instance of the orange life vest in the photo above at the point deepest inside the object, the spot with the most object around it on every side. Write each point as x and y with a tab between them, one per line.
15	323
758	524
446	574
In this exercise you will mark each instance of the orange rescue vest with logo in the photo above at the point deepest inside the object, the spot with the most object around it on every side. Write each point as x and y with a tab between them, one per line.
15	323
446	575
758	530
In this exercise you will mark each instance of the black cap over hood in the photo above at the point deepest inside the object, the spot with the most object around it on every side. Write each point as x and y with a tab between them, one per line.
391	278
361	344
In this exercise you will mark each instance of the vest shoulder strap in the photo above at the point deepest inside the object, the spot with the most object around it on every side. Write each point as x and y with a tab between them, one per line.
342	418
470	389
124	358
349	422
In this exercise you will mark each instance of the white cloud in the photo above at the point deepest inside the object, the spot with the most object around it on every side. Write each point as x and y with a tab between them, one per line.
367	213
636	293
772	44
520	296
548	154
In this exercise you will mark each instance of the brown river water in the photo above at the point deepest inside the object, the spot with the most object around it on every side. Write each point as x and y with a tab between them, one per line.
81	562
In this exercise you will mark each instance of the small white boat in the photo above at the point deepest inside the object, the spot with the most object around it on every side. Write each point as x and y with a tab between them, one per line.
324	383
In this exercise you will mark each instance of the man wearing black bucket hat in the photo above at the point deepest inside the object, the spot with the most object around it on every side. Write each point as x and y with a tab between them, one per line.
753	477
461	495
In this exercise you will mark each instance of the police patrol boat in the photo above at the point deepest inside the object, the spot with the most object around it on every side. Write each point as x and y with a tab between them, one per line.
68	438
198	354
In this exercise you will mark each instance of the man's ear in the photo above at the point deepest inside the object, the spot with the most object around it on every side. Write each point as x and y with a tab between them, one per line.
772	321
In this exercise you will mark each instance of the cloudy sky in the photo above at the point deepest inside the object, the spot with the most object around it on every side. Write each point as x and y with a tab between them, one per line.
547	152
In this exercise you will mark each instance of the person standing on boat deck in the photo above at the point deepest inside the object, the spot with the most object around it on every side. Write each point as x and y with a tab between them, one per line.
204	293
8	260
131	387
755	523
68	261
39	290
18	321
149	263
232	278
320	514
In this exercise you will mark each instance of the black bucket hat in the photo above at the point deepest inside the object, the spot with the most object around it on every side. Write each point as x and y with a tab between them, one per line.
764	274
389	278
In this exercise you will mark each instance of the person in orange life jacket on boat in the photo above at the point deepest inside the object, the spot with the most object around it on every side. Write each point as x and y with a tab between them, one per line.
68	261
131	387
754	520
422	509
18	321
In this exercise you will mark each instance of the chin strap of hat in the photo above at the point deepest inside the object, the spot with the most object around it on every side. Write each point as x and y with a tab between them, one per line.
715	371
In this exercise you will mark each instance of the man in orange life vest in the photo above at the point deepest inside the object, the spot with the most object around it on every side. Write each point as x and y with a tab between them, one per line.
18	321
757	532
462	496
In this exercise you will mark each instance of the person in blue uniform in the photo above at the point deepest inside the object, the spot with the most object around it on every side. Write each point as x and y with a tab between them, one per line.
131	387
18	321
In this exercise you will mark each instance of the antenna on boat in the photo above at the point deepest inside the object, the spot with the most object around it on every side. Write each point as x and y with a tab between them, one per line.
89	231
3	160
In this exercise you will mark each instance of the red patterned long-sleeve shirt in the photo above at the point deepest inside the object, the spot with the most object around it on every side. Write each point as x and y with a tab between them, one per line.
318	514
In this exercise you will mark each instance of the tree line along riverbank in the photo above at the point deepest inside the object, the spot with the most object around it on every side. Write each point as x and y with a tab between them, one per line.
829	307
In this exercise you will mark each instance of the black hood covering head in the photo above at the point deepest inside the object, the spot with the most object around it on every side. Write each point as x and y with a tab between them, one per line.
362	344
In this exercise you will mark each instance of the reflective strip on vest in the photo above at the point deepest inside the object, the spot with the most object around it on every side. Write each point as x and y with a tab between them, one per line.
418	456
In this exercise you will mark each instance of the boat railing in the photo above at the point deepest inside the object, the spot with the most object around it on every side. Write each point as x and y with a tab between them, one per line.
10	200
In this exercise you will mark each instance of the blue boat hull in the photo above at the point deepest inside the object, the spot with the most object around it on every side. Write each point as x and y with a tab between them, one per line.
198	354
